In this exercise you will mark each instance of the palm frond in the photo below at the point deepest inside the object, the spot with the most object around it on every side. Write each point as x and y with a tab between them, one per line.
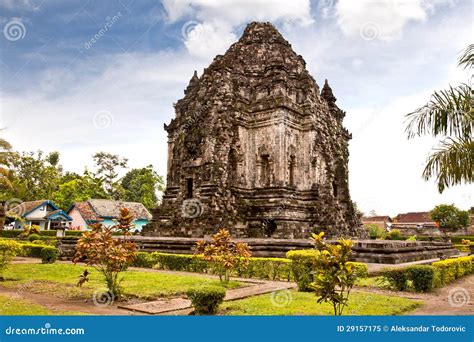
466	60
447	113
451	163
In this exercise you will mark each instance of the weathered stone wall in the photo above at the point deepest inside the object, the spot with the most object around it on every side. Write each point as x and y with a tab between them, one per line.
255	147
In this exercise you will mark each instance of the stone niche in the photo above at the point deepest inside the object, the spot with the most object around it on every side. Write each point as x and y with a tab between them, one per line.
256	147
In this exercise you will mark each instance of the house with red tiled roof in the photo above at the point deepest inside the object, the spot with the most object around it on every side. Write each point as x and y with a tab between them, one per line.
414	220
106	212
43	213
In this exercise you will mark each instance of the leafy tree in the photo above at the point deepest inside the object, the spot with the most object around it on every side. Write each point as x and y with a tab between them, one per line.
334	276
33	176
109	255
449	115
450	217
78	190
141	185
5	174
223	254
107	165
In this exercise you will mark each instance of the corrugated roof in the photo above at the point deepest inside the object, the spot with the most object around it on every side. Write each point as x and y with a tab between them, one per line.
111	208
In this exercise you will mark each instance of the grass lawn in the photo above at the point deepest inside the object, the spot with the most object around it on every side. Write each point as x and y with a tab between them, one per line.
60	280
378	281
304	303
15	306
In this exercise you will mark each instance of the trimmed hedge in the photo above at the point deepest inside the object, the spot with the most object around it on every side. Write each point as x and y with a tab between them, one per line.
49	255
32	250
458	239
427	277
143	259
206	299
180	262
302	267
451	269
422	276
397	278
43	233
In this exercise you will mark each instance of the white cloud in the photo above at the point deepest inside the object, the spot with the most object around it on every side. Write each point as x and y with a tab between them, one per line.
212	23
135	91
384	19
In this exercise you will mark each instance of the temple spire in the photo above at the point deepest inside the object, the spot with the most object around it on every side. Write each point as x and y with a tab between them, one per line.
327	94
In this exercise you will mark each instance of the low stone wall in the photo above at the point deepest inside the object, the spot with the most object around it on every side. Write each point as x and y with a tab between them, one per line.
373	251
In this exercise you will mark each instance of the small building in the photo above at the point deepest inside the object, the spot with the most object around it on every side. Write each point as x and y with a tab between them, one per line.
105	211
383	222
43	213
414	220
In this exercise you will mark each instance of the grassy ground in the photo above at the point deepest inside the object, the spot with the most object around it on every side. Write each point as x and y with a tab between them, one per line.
304	303
9	306
60	280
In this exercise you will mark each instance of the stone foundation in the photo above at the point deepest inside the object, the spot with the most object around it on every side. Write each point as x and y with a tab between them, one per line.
370	251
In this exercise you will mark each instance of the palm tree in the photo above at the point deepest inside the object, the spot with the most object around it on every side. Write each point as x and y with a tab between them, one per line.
448	115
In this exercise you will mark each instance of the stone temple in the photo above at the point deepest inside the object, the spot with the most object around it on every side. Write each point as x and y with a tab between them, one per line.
258	148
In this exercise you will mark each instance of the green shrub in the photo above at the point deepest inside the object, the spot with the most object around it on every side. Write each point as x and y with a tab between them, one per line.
8	250
34	237
10	234
423	277
206	299
362	270
267	268
31	250
411	238
143	259
397	278
302	267
458	239
375	232
180	262
394	234
452	269
49	255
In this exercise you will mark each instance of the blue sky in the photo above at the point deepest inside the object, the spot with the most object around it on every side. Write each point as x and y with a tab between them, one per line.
84	76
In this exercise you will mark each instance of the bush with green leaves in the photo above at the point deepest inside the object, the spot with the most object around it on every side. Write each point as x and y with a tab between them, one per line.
49	255
334	276
303	263
143	259
397	278
375	231
423	277
302	266
206	299
34	237
32	250
8	250
394	234
411	238
451	269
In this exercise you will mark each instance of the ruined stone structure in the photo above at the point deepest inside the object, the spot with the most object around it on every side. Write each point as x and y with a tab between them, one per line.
257	148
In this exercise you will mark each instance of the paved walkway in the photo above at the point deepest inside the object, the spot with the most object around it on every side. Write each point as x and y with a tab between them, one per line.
180	306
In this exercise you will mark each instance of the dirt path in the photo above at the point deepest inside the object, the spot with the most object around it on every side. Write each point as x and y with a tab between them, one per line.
59	304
